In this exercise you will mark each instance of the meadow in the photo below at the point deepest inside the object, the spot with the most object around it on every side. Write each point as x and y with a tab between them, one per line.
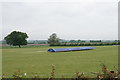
36	60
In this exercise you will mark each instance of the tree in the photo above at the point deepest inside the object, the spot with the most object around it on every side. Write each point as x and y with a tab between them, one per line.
53	39
78	41
16	38
72	41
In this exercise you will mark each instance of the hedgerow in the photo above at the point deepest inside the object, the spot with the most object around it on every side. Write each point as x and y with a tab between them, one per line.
105	74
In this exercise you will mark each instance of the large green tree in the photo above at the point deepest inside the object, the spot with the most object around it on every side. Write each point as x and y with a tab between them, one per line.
16	38
53	39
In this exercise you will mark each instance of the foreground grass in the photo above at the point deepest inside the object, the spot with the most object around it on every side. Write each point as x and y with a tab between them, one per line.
36	60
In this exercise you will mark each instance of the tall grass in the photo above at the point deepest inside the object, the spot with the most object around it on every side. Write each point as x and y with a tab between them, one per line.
105	74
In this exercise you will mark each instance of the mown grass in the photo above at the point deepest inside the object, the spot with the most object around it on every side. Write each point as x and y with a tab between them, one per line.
32	60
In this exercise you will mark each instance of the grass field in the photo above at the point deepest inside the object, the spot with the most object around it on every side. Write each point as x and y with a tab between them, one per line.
37	60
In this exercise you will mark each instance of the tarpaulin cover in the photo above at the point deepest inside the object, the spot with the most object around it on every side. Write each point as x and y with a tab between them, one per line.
70	49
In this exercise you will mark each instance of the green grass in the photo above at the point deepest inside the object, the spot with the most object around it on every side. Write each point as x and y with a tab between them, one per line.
38	60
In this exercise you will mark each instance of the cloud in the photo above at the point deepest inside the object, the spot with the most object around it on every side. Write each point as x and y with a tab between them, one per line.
83	20
59	0
0	21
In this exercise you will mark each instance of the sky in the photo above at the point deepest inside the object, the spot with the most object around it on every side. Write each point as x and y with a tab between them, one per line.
69	19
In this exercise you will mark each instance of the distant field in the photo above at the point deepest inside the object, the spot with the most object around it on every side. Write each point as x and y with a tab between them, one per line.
37	60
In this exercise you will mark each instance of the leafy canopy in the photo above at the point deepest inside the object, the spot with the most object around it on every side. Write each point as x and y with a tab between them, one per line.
16	38
53	39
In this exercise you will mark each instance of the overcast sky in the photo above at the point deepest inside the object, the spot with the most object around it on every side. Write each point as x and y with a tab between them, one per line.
94	19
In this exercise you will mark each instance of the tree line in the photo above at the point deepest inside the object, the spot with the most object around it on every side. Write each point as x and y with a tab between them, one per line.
53	40
17	38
